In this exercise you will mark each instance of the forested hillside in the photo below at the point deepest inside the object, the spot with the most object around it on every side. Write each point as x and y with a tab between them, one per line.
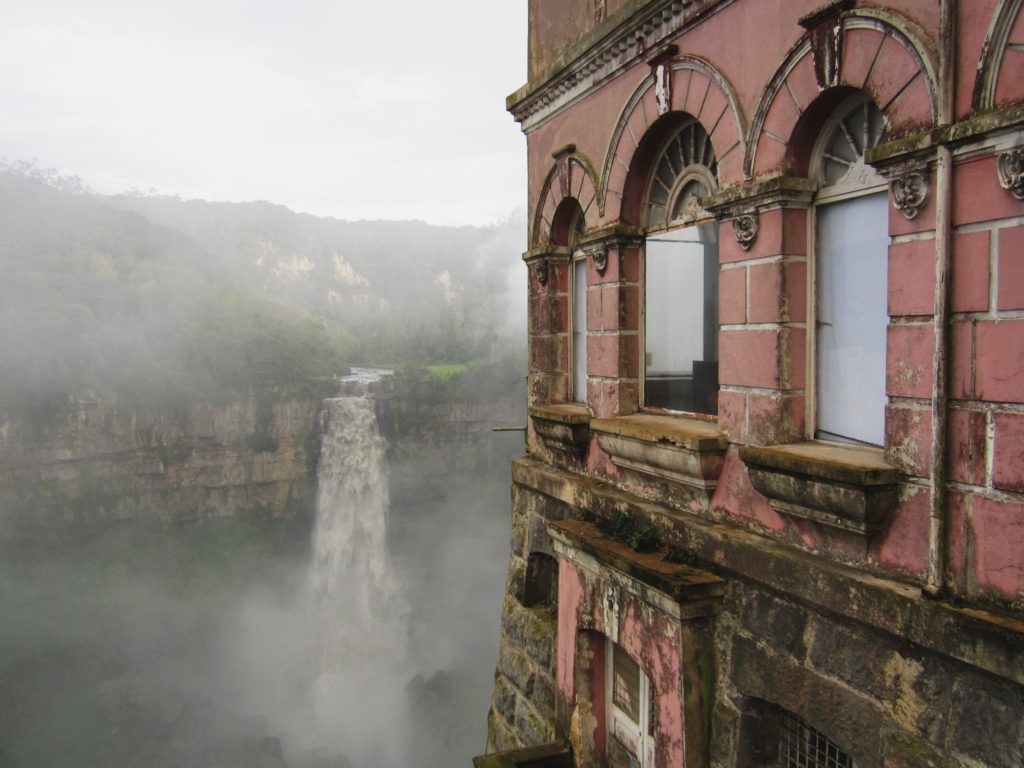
148	297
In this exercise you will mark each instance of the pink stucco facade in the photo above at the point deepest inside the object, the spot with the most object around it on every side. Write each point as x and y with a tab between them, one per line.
852	540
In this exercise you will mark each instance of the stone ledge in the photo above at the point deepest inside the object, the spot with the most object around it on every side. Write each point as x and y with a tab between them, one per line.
687	451
561	413
564	428
682	583
976	637
555	754
847	487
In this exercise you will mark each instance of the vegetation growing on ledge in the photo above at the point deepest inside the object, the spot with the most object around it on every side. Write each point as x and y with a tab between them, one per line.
621	526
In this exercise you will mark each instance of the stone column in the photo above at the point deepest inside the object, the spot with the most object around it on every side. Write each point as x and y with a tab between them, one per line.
613	320
763	310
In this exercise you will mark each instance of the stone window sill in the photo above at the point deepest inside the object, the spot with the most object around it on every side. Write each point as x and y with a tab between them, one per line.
851	488
564	428
682	450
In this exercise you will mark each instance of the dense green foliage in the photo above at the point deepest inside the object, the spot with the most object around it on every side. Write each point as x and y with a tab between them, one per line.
239	339
158	299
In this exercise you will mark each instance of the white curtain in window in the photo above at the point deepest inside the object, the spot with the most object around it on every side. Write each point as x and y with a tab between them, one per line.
851	319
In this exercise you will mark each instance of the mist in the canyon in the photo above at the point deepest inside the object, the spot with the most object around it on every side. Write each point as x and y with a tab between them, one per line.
166	598
131	649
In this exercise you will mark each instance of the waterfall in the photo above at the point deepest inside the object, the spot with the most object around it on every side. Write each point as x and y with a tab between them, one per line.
360	615
355	589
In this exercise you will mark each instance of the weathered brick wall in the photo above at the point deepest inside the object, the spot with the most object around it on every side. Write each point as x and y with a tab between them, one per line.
557	25
826	549
986	422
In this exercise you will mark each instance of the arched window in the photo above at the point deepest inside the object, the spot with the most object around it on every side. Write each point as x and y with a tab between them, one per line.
540	587
567	228
681	277
850	267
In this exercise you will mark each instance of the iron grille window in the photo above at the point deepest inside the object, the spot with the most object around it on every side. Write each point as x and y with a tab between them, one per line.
801	746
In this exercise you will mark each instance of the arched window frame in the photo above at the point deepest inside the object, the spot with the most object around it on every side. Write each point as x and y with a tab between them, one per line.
688	154
860	181
578	321
568	225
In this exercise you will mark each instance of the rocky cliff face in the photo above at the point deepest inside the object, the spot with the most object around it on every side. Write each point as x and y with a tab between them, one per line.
97	460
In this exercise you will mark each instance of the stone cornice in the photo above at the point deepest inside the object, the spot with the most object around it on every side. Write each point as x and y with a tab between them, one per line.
990	128
762	192
624	39
549	252
615	234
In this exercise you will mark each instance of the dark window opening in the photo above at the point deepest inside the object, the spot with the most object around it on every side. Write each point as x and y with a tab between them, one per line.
541	586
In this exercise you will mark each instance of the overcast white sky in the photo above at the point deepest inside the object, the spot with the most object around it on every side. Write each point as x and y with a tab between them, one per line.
334	107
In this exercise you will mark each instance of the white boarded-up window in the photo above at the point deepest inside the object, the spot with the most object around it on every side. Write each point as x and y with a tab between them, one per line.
850	286
630	710
852	317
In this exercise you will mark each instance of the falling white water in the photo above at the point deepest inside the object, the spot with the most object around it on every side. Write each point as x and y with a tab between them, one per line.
361	616
356	591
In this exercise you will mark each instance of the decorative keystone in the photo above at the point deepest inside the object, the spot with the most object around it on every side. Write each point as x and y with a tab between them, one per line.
909	192
826	34
660	63
1010	167
845	487
744	227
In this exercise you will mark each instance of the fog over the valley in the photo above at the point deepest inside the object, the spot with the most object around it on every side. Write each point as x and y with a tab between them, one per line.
157	561
140	631
210	212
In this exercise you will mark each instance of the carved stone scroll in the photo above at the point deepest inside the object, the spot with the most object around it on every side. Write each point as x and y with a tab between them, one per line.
909	192
1010	167
744	226
541	270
